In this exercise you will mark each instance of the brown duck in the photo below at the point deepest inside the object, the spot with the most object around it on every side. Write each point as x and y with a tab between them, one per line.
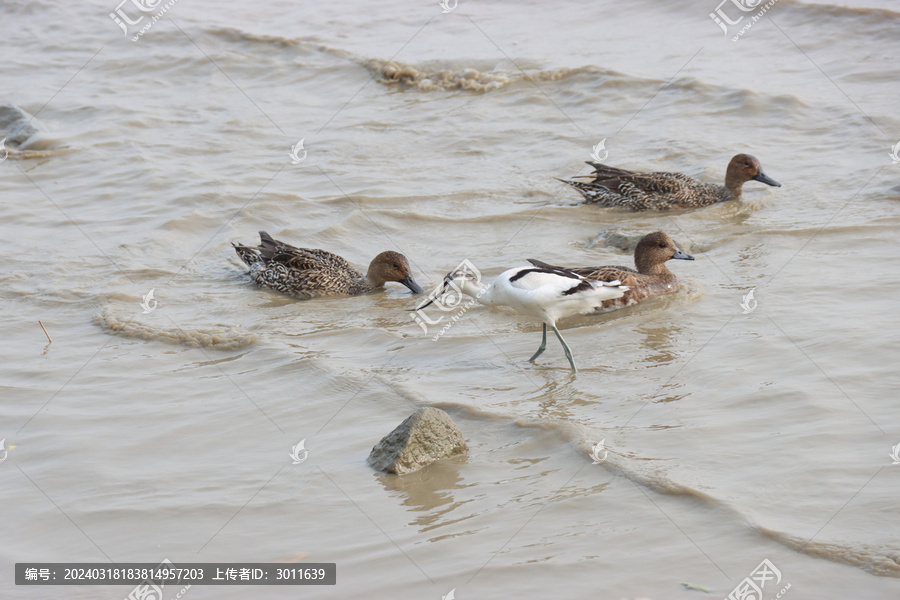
304	273
663	191
652	278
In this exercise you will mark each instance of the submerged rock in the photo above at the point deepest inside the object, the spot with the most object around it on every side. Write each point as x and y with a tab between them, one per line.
427	435
17	127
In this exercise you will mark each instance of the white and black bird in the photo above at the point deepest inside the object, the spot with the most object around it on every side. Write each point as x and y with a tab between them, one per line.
546	293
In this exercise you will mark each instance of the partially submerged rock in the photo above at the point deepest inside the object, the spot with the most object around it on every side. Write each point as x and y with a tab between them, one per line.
429	434
17	127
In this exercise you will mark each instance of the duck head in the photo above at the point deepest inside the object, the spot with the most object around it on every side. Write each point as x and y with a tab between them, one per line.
392	266
744	167
654	250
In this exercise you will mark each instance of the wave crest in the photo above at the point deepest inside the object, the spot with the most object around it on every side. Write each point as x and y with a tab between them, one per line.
223	339
430	79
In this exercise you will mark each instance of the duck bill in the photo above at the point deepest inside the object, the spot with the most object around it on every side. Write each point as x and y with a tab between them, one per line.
682	256
411	284
763	178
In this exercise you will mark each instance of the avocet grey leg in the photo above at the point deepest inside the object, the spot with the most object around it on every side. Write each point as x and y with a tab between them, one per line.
543	345
565	347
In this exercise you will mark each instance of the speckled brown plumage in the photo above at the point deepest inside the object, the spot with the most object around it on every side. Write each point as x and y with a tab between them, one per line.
652	278
306	273
663	191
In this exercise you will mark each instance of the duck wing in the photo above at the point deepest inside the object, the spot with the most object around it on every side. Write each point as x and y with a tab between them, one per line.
659	181
647	191
656	183
305	259
301	259
624	275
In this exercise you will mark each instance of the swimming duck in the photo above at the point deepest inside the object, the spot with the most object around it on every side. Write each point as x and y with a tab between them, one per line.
546	293
304	273
662	191
652	278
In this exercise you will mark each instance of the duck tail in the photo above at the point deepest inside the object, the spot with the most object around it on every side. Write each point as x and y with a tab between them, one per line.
268	246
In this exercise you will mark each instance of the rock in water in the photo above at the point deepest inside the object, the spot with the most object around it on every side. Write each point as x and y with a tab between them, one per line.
427	435
17	126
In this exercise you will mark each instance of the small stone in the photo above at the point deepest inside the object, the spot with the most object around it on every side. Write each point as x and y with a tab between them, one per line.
429	434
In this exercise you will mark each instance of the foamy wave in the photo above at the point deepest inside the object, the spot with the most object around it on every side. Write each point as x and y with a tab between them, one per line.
236	35
883	561
13	154
424	78
482	78
430	79
225	339
877	560
877	14
230	34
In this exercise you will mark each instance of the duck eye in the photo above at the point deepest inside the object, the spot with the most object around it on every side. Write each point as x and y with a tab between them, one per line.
396	266
746	163
662	245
